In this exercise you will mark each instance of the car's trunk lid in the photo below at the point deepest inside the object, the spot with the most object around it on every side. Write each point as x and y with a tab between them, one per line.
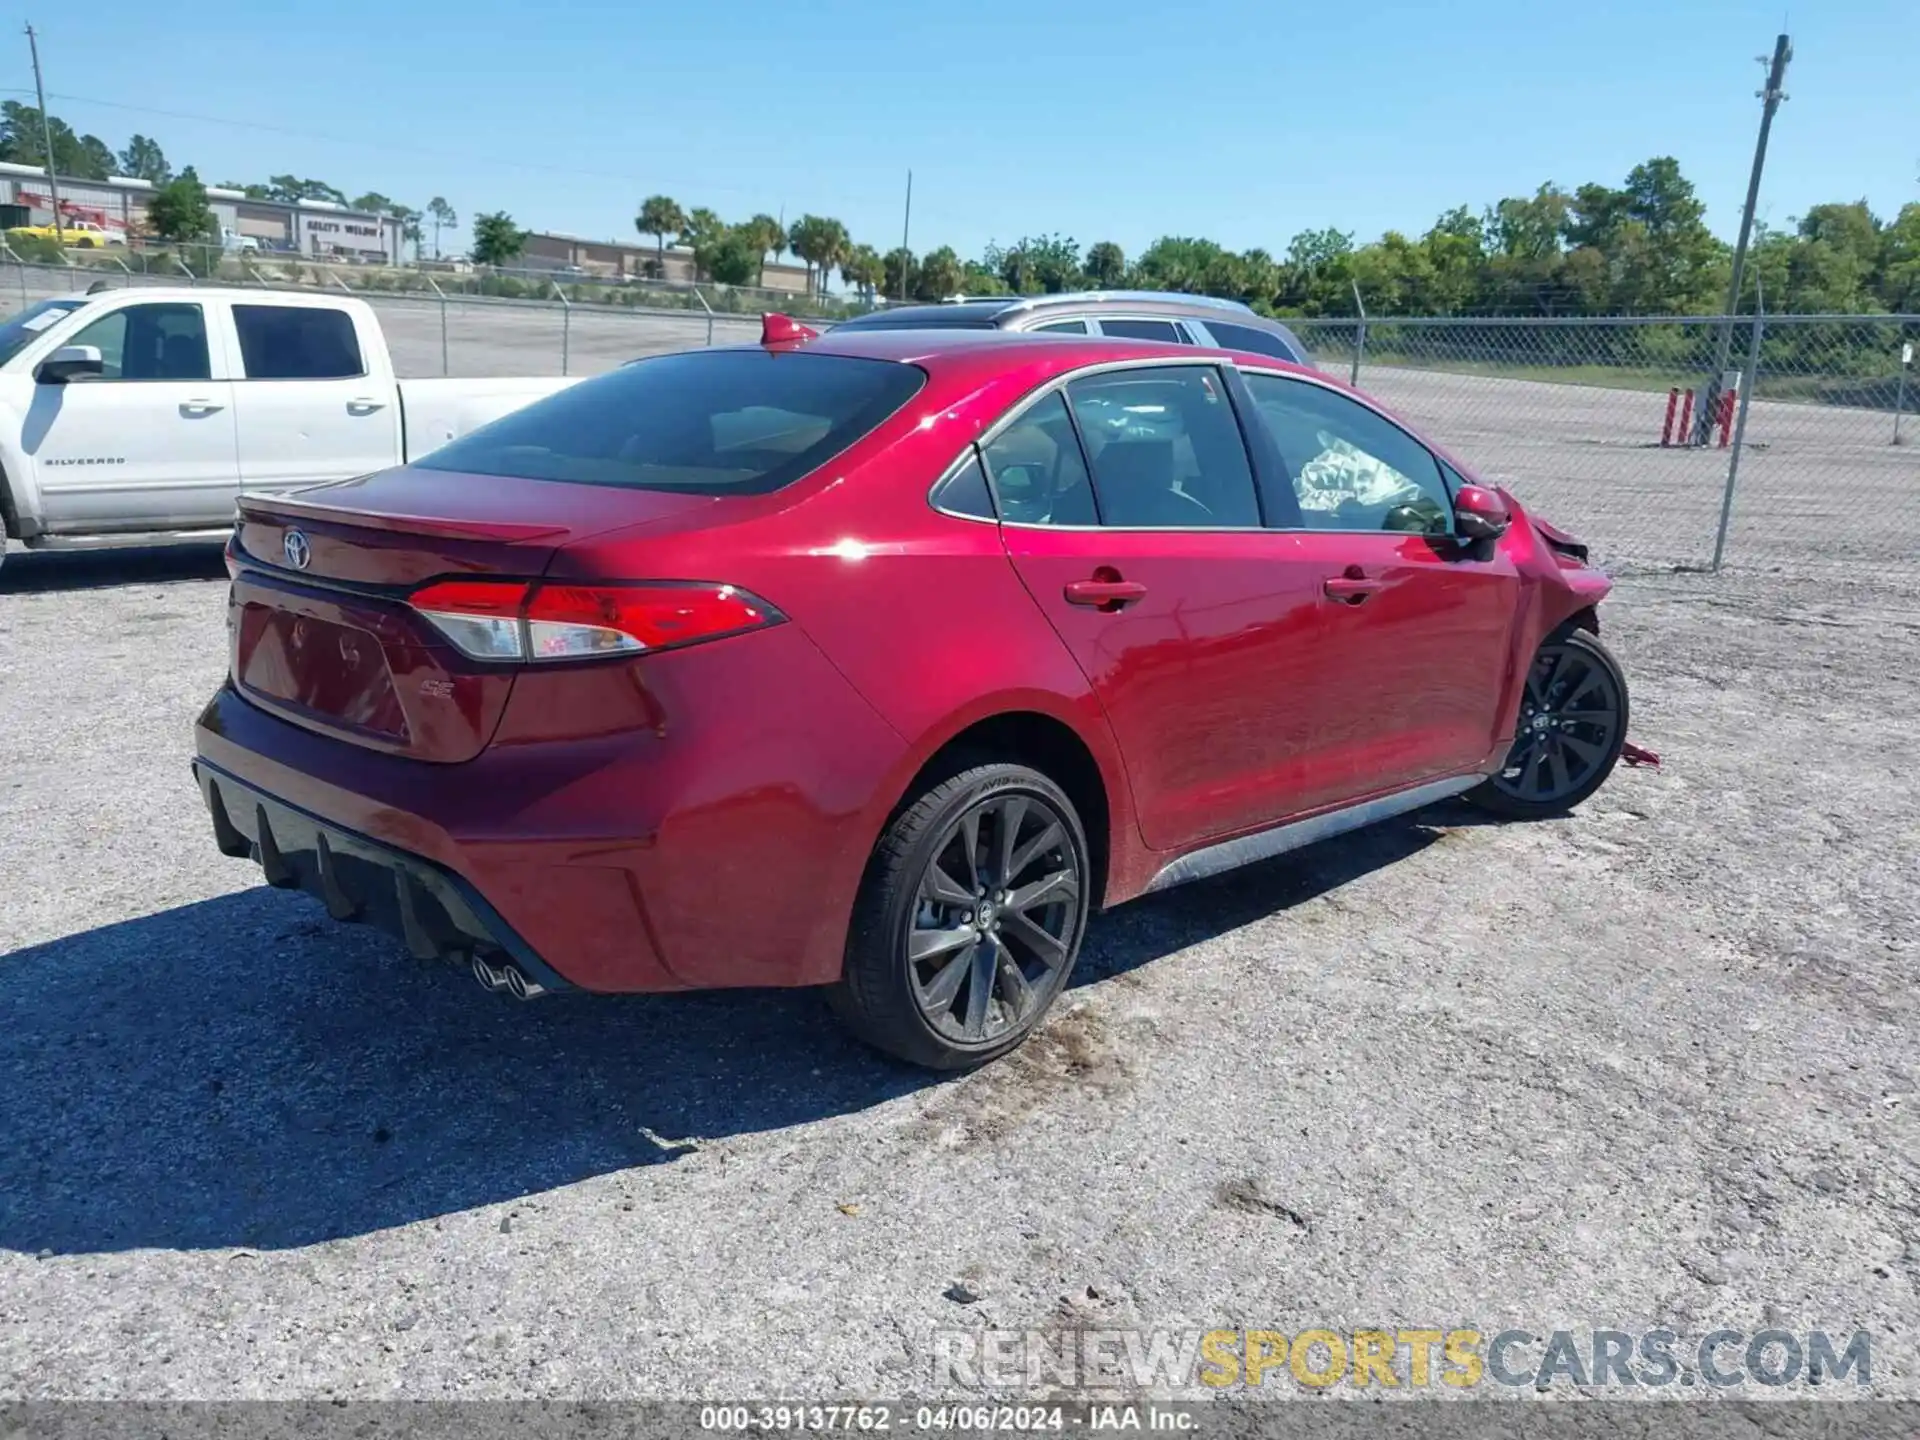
321	630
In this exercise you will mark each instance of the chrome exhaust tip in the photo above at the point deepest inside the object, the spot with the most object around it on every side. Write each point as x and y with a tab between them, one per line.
489	977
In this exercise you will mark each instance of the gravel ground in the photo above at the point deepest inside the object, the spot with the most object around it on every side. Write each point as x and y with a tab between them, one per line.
1650	1064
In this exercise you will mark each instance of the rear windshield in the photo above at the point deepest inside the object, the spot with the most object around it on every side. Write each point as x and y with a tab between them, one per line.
709	422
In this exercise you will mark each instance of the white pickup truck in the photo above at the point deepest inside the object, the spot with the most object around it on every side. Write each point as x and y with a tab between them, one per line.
143	412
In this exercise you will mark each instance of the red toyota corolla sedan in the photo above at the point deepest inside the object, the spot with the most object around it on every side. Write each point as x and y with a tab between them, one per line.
879	662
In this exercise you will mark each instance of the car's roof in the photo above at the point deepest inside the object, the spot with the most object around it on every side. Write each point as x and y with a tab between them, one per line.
985	311
972	355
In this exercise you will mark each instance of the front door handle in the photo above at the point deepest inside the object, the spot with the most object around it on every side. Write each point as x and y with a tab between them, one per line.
1353	588
1103	593
365	405
195	408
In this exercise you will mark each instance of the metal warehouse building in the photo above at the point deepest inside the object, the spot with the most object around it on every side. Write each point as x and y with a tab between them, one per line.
315	228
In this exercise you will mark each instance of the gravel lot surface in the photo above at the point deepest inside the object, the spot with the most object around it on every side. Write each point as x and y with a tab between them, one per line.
1651	1064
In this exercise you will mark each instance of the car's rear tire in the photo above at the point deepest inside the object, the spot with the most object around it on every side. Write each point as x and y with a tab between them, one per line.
1572	724
969	919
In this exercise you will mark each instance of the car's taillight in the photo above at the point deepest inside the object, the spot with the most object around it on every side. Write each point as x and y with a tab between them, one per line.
514	620
232	552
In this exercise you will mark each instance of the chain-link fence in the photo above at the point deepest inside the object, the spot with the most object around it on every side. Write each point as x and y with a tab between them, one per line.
1644	436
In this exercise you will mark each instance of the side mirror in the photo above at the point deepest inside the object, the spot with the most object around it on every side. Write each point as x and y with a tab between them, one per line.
1480	514
70	362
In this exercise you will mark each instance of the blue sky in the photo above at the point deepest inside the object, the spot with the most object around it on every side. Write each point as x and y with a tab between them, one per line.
1243	120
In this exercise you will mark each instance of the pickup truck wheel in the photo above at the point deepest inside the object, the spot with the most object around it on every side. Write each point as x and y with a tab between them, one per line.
969	920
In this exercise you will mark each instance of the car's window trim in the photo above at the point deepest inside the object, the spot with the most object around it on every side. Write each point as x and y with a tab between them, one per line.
1439	465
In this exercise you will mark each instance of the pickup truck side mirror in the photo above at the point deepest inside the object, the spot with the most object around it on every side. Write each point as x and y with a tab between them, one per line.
1480	514
70	362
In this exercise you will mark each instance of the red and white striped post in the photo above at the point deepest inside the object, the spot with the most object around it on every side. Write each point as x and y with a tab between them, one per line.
1666	430
1686	417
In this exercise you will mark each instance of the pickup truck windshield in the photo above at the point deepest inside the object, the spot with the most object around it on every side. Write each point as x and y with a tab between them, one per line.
20	330
712	422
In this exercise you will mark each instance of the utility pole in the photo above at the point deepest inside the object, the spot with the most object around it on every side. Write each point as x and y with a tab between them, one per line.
906	229
46	133
1770	99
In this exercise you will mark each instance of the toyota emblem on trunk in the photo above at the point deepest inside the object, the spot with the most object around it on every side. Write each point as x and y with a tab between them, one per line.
299	552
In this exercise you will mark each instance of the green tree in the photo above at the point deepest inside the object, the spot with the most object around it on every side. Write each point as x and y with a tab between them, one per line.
292	189
941	274
178	211
409	219
1455	261
820	242
771	238
864	270
496	239
23	142
660	216
899	273
145	160
730	254
444	218
1898	277
1106	265
374	203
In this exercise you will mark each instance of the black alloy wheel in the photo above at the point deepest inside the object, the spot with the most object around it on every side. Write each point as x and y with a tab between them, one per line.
994	927
969	918
1572	723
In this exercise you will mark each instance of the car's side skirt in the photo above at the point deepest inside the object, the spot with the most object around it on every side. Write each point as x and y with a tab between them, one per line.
1263	844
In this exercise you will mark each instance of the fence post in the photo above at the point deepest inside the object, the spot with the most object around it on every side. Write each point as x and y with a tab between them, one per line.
445	369
1747	384
20	267
566	327
1359	335
708	308
1900	395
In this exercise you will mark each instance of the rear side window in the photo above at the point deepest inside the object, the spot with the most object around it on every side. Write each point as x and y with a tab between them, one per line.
1166	449
712	422
1255	342
297	342
1144	330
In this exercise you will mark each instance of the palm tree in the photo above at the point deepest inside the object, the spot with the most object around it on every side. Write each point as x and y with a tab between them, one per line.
767	233
806	239
443	219
1106	265
863	269
835	245
660	216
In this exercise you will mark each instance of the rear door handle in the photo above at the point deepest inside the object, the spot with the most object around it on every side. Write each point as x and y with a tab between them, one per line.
365	405
1351	589
1104	594
200	407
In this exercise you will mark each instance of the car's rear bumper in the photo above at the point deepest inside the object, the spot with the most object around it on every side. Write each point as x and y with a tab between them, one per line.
435	913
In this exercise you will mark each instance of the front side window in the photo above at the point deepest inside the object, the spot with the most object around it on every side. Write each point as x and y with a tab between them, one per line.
297	342
1166	450
1351	468
1039	476
1143	330
150	342
713	422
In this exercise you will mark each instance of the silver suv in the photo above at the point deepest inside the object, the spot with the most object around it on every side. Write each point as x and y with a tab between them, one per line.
1133	314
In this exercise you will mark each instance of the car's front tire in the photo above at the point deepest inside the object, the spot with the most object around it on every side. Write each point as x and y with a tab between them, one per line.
1572	725
969	919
